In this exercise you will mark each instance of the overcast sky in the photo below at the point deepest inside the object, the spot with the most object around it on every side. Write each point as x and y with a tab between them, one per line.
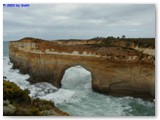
81	21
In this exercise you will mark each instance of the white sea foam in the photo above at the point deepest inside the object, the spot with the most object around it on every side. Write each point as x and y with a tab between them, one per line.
61	96
76	78
41	89
14	75
76	96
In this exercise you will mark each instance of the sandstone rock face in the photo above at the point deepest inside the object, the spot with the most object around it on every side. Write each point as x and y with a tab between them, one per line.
115	70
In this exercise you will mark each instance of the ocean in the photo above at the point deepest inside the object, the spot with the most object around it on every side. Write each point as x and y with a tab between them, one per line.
76	96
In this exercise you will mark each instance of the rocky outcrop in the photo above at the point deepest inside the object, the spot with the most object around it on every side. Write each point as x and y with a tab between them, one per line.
115	70
17	102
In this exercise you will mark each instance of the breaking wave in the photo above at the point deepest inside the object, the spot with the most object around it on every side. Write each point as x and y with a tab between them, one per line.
76	96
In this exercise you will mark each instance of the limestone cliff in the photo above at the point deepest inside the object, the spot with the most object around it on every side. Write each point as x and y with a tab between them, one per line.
116	70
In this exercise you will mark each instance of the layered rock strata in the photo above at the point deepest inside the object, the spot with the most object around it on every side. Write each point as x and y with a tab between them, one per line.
115	70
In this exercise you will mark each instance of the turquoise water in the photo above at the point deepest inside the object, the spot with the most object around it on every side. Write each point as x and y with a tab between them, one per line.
76	96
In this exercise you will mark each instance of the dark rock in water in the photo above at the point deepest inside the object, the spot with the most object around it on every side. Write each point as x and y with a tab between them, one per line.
43	88
4	77
9	63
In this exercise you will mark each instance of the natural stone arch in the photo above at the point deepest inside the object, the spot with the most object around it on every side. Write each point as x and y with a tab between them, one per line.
58	75
110	74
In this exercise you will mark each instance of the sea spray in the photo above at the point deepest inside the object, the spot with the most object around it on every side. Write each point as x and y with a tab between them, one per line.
79	99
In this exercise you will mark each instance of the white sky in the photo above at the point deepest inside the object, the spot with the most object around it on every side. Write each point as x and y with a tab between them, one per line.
80	21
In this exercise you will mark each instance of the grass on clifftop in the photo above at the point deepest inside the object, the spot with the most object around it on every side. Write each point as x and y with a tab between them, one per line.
112	42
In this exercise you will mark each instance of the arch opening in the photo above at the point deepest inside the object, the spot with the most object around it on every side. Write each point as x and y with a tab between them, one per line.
76	77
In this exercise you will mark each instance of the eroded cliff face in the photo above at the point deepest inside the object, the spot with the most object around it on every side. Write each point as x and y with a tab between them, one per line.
115	70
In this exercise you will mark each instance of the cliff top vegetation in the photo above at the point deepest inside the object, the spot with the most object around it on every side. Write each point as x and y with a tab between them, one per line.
17	102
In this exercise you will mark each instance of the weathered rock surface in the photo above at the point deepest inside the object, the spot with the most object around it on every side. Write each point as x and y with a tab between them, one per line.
115	70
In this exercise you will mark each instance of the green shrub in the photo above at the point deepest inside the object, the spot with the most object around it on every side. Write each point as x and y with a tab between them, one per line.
20	99
42	104
27	91
34	111
110	41
13	93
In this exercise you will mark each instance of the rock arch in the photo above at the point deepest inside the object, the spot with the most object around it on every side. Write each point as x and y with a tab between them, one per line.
110	74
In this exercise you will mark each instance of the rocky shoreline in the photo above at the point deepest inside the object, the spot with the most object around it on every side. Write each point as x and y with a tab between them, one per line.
17	102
